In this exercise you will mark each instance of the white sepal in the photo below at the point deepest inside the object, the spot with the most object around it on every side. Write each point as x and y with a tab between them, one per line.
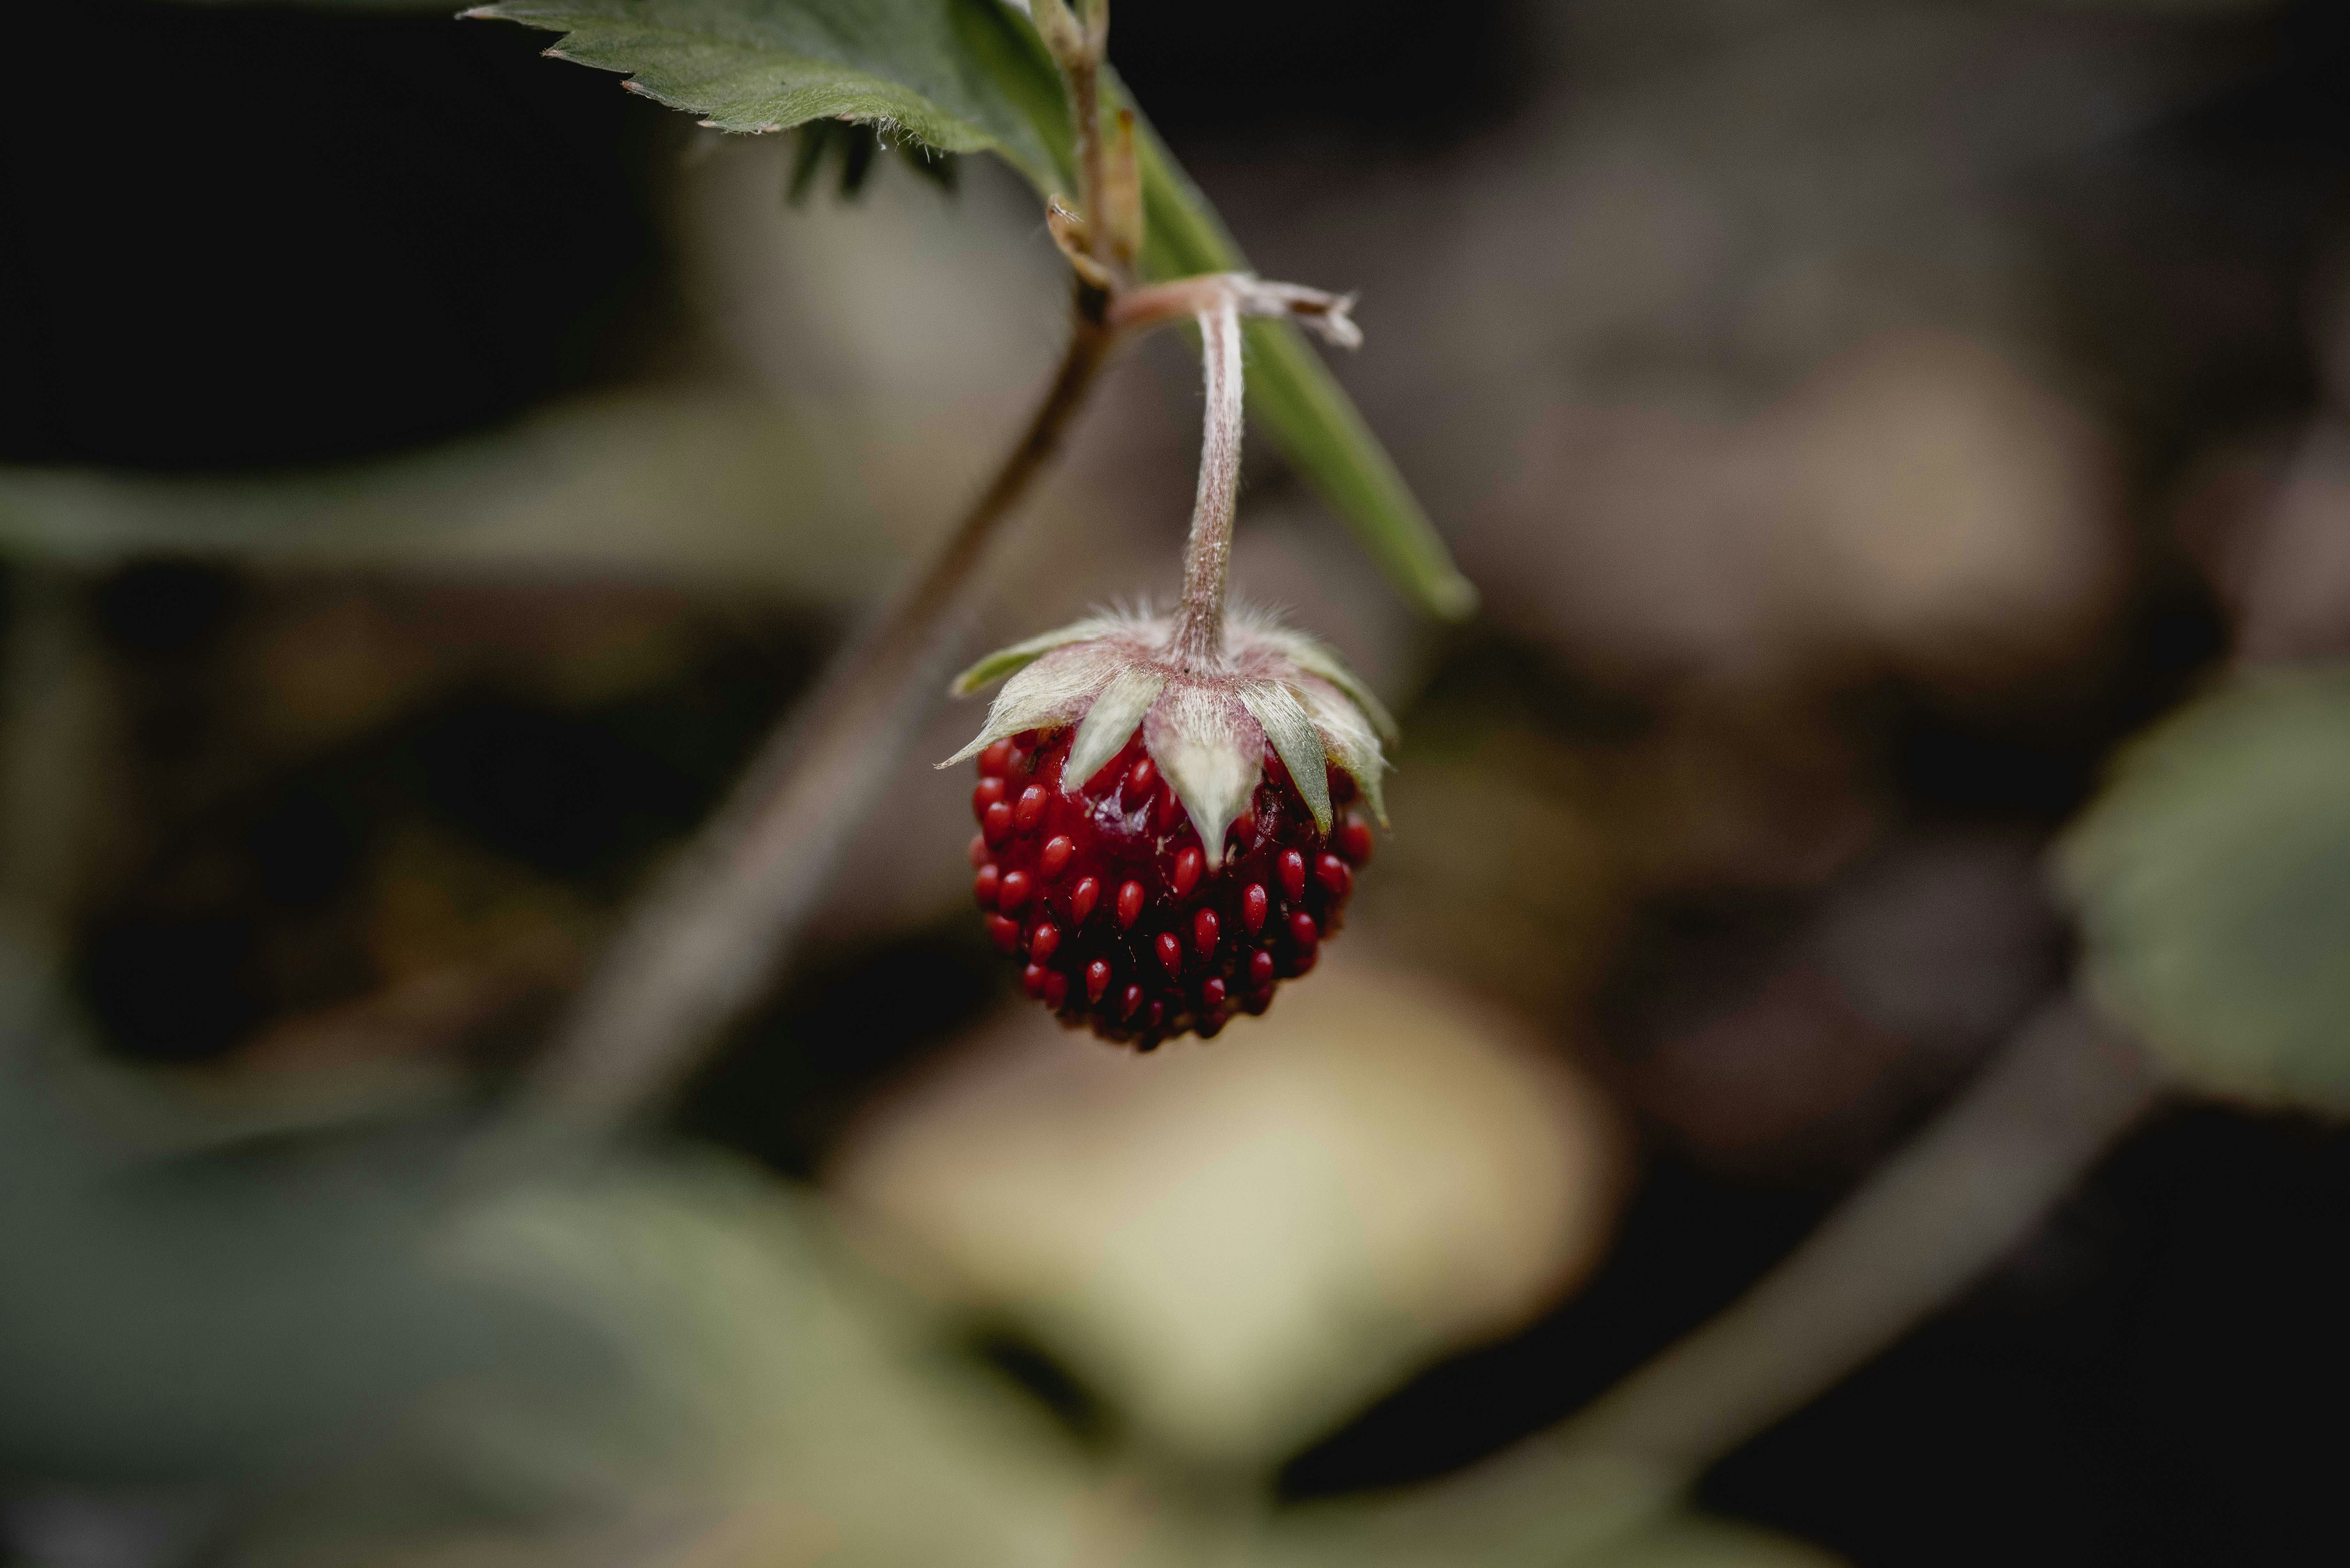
1211	750
1004	661
1116	714
1347	738
1294	741
1315	657
1206	729
1055	690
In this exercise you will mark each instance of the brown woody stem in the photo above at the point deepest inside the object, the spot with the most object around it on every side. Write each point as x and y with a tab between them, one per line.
701	947
1208	556
1929	1222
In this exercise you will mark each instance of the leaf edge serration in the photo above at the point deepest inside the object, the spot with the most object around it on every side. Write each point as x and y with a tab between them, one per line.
774	89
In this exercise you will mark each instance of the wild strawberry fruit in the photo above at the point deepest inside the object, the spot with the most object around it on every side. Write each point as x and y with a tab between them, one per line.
1165	837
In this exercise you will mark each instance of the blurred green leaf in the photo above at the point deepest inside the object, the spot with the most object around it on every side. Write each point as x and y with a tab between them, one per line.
967	76
319	1329
689	482
2212	879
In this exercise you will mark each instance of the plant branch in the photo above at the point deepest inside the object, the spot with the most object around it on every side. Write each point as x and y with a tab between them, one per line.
1927	1224
702	945
1207	554
1080	42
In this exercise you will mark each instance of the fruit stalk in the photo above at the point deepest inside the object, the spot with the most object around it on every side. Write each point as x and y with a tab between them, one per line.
1208	554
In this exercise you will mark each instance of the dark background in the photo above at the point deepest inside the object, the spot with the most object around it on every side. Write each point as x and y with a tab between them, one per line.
288	239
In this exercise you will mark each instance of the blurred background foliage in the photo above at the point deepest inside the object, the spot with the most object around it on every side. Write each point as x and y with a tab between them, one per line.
427	470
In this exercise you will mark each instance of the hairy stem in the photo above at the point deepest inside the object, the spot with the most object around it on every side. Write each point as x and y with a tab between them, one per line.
1208	554
701	946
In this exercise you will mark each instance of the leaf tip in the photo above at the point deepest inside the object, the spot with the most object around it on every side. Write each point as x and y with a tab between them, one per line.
1452	596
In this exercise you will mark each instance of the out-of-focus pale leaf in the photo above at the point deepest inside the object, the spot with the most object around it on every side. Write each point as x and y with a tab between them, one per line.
1243	1245
962	76
2212	881
971	76
697	486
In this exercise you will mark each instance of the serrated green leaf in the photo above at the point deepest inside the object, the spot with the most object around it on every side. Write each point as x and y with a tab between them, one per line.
2212	881
968	75
962	76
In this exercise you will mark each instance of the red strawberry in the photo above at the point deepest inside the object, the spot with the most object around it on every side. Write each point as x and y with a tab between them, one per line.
1189	869
1172	947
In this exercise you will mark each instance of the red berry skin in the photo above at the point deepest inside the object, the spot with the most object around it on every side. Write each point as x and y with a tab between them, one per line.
978	850
1291	868
1333	874
1170	956
1030	811
994	760
989	792
1353	837
987	886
